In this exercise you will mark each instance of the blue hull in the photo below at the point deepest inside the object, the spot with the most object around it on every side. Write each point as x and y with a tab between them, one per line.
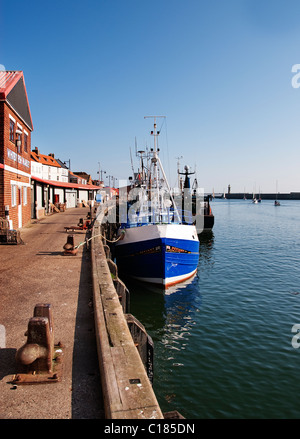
164	261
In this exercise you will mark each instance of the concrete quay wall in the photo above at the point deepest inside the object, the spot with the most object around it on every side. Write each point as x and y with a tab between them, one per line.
127	391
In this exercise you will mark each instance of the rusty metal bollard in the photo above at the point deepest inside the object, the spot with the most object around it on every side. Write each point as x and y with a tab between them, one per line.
69	247
39	352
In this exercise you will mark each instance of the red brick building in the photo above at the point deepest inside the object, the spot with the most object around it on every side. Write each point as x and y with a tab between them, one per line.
15	149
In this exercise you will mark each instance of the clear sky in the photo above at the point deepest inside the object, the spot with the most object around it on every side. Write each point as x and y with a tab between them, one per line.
220	71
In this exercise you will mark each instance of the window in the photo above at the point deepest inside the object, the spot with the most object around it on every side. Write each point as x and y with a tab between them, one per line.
11	130
25	142
24	195
13	195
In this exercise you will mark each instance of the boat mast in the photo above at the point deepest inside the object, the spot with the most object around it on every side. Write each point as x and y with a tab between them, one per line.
156	160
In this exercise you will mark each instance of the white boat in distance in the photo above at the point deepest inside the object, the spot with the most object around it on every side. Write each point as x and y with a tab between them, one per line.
158	246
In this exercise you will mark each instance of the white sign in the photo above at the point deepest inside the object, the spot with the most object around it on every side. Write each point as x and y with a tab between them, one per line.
15	157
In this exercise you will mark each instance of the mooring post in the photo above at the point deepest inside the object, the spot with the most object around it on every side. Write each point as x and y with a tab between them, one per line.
45	310
39	355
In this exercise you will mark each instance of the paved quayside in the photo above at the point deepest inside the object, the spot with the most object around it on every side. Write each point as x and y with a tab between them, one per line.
38	272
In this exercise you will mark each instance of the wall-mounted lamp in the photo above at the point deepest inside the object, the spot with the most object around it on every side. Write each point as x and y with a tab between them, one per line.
18	140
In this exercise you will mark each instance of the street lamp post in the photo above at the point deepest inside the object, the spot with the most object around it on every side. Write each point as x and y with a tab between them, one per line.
101	174
18	146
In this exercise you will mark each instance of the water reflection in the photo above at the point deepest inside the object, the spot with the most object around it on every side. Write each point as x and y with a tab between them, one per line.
206	246
171	318
147	304
160	310
166	317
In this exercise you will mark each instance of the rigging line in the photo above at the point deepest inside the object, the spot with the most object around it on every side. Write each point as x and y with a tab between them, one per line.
164	121
168	155
164	118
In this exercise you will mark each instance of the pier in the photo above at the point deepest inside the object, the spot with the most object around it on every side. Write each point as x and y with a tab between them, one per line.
103	374
264	196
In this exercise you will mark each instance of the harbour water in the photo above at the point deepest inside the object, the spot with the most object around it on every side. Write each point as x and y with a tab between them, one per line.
223	343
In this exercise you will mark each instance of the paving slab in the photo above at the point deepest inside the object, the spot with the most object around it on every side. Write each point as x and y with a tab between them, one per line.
39	272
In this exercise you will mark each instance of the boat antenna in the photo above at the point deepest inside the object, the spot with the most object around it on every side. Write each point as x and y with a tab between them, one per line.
155	133
132	167
178	168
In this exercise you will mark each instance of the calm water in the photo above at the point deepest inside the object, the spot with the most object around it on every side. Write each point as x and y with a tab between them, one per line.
223	343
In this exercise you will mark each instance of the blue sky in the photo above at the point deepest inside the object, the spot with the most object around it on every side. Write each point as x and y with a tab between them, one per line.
219	71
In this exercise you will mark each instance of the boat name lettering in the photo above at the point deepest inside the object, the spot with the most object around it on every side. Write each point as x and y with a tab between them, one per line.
171	249
149	251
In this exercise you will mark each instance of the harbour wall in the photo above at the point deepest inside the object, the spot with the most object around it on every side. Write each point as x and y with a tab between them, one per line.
267	196
127	390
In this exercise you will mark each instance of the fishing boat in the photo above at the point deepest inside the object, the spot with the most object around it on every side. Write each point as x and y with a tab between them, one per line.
157	246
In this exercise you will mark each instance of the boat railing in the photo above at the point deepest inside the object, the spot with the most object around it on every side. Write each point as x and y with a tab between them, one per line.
186	216
157	217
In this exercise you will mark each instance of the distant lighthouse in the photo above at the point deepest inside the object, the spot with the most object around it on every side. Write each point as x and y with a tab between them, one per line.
229	189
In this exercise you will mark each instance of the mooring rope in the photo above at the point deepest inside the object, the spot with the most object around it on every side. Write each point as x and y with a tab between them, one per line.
116	240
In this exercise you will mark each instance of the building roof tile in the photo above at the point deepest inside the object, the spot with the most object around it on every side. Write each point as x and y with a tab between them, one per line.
8	79
44	159
13	91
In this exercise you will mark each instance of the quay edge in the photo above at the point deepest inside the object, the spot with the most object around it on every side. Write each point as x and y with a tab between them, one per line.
127	390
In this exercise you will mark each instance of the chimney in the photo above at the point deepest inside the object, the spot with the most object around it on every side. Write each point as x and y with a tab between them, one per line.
36	150
51	155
